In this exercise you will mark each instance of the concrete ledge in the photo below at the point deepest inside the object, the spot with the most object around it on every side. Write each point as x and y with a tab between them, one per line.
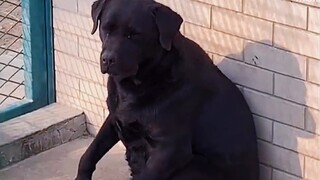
39	131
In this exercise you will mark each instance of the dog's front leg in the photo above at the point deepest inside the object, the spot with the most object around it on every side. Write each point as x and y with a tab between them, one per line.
106	138
165	160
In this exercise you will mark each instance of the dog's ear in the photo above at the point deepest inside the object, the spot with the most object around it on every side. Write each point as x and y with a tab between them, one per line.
168	23
96	10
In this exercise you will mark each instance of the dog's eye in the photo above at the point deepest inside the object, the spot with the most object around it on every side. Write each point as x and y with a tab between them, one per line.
131	32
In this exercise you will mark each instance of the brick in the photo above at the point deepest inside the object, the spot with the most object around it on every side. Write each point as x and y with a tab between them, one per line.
290	88
93	100
314	70
241	25
89	54
66	35
191	11
235	5
279	175
297	140
264	128
65	99
65	45
275	108
217	59
274	59
78	67
94	89
73	19
283	12
297	90
308	2
88	107
280	158
73	23
74	30
69	5
314	20
89	43
84	7
296	40
312	169
215	42
67	84
90	49
313	120
265	173
242	74
313	95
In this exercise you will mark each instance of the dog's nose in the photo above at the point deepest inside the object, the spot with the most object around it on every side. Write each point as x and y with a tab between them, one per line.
107	60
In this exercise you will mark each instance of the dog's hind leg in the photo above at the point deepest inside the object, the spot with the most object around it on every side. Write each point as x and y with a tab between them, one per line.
106	138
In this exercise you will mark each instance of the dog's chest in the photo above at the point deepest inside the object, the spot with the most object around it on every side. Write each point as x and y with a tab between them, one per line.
133	123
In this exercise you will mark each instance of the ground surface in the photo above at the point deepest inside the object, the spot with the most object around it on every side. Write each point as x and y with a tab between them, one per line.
61	164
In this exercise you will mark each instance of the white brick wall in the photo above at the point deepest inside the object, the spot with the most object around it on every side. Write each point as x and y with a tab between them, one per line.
298	41
280	158
314	75
235	5
275	108
273	59
79	81
283	12
264	128
215	41
238	24
242	74
314	20
280	175
269	48
265	172
312	169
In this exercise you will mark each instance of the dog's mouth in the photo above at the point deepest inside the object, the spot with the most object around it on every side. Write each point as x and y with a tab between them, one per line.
120	75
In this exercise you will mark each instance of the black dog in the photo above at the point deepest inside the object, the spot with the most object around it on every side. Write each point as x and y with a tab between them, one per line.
178	116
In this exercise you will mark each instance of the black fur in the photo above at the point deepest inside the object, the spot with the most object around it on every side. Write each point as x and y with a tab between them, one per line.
178	116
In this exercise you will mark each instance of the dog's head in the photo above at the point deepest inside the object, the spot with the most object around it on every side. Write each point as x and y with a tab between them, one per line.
132	32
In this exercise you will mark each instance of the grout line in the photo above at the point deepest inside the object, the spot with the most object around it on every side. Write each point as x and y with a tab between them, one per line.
273	32
273	83
242	6
256	17
243	38
307	25
307	69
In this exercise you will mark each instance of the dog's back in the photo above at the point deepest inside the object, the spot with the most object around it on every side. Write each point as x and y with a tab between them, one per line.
224	131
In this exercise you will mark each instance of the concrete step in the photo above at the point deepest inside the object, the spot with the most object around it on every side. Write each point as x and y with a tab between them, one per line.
39	131
61	163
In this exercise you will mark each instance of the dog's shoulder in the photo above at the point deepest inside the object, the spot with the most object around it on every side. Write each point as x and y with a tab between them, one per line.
198	67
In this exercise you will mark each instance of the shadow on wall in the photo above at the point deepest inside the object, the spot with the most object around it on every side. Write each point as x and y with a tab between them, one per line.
272	83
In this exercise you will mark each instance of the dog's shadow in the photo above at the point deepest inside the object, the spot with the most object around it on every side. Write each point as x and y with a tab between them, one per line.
279	139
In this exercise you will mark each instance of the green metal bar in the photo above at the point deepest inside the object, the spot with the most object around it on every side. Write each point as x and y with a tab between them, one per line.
50	52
